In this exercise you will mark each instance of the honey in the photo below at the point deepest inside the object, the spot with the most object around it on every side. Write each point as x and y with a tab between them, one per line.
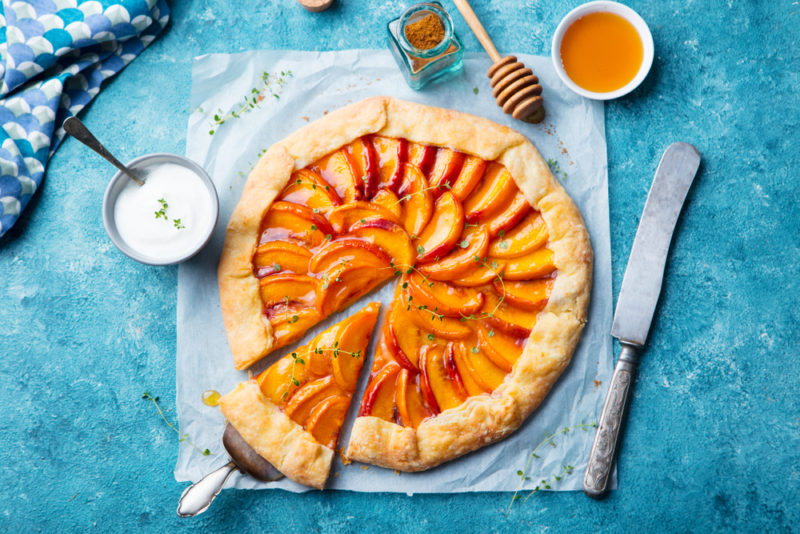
601	52
211	397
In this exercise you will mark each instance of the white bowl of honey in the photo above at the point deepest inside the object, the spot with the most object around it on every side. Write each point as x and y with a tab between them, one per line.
602	50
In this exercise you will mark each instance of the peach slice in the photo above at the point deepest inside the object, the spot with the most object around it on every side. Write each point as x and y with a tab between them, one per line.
349	282
434	322
365	165
509	217
348	251
452	371
388	236
531	295
309	189
503	350
408	399
392	154
307	397
421	156
284	289
480	369
444	298
483	275
536	264
492	195
326	419
445	170
527	236
469	177
276	382
289	324
337	169
348	352
461	261
287	220
416	199
467	372
436	380
442	232
378	400
343	217
388	200
280	256
508	318
403	338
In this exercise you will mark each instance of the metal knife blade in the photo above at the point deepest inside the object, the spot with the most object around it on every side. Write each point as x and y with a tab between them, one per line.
638	296
644	274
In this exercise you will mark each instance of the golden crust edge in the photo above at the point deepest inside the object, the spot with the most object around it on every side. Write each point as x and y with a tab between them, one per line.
282	442
482	420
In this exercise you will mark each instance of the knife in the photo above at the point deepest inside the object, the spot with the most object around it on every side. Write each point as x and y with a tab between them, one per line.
637	300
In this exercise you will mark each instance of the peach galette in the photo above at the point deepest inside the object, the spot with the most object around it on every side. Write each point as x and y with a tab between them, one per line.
292	412
490	256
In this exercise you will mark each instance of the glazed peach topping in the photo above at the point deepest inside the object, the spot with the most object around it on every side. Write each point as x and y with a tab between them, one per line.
468	250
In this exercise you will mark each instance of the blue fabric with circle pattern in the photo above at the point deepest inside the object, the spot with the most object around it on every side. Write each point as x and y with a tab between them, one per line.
54	57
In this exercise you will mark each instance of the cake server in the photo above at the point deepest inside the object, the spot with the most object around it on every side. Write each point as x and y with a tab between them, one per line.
198	497
637	300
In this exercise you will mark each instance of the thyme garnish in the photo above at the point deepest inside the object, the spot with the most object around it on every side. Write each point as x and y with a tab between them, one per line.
181	437
555	168
566	470
270	84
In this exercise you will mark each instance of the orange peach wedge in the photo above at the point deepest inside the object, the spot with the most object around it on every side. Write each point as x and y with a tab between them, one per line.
309	189
378	400
528	235
348	251
287	220
365	165
503	350
416	199
508	318
326	419
535	264
445	170
388	236
343	217
469	177
446	299
392	154
288	288
280	256
389	201
492	195
461	261
408	399
529	295
442	232
421	156
509	217
479	368
307	397
438	388
337	170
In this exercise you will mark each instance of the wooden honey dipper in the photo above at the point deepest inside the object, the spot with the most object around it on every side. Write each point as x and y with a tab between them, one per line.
515	87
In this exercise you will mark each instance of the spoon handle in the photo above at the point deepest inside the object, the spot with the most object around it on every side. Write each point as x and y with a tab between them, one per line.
79	131
198	497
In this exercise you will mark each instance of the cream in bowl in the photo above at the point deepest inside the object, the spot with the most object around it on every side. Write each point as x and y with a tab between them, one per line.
169	218
602	50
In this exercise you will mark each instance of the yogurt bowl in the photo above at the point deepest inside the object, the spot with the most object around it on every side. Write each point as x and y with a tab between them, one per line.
168	219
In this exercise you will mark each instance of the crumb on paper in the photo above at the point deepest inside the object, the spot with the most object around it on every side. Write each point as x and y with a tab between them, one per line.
365	467
597	383
345	459
396	472
325	112
335	474
306	118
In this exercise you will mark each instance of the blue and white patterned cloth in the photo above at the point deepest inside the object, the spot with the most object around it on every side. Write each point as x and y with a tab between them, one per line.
54	57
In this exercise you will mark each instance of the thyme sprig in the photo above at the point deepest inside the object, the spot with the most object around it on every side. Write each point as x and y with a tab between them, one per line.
555	168
546	484
269	84
408	196
181	437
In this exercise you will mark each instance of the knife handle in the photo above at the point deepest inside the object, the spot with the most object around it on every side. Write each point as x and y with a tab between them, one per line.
601	459
198	497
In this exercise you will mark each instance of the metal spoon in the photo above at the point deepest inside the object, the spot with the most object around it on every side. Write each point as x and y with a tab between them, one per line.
198	497
79	131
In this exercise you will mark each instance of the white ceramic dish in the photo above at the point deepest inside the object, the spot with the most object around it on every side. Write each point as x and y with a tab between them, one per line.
609	7
119	181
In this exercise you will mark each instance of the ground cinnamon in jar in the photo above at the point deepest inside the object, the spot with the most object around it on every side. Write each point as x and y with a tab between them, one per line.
425	33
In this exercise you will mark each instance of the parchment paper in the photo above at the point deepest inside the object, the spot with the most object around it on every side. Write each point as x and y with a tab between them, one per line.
572	135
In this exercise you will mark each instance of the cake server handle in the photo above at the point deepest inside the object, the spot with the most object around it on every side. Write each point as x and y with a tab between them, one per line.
198	497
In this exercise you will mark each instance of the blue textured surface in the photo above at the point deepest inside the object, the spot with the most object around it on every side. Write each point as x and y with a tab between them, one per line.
713	436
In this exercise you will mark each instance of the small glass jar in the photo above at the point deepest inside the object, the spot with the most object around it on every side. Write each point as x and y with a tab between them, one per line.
420	67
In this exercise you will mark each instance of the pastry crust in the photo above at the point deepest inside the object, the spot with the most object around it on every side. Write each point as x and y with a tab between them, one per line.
482	419
282	442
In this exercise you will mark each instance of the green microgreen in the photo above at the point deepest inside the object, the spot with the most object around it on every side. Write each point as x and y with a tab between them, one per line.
181	437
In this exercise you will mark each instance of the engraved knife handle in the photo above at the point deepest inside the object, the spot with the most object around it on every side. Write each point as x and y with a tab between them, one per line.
198	497
601	459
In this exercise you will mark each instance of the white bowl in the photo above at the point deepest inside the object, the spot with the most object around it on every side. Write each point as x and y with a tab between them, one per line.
609	7
118	182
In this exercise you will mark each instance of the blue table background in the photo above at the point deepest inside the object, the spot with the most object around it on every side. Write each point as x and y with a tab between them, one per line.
714	432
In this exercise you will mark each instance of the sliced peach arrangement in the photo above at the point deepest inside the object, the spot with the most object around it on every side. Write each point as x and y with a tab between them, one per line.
473	272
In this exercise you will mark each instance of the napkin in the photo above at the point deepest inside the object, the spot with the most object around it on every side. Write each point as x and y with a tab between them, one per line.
54	57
